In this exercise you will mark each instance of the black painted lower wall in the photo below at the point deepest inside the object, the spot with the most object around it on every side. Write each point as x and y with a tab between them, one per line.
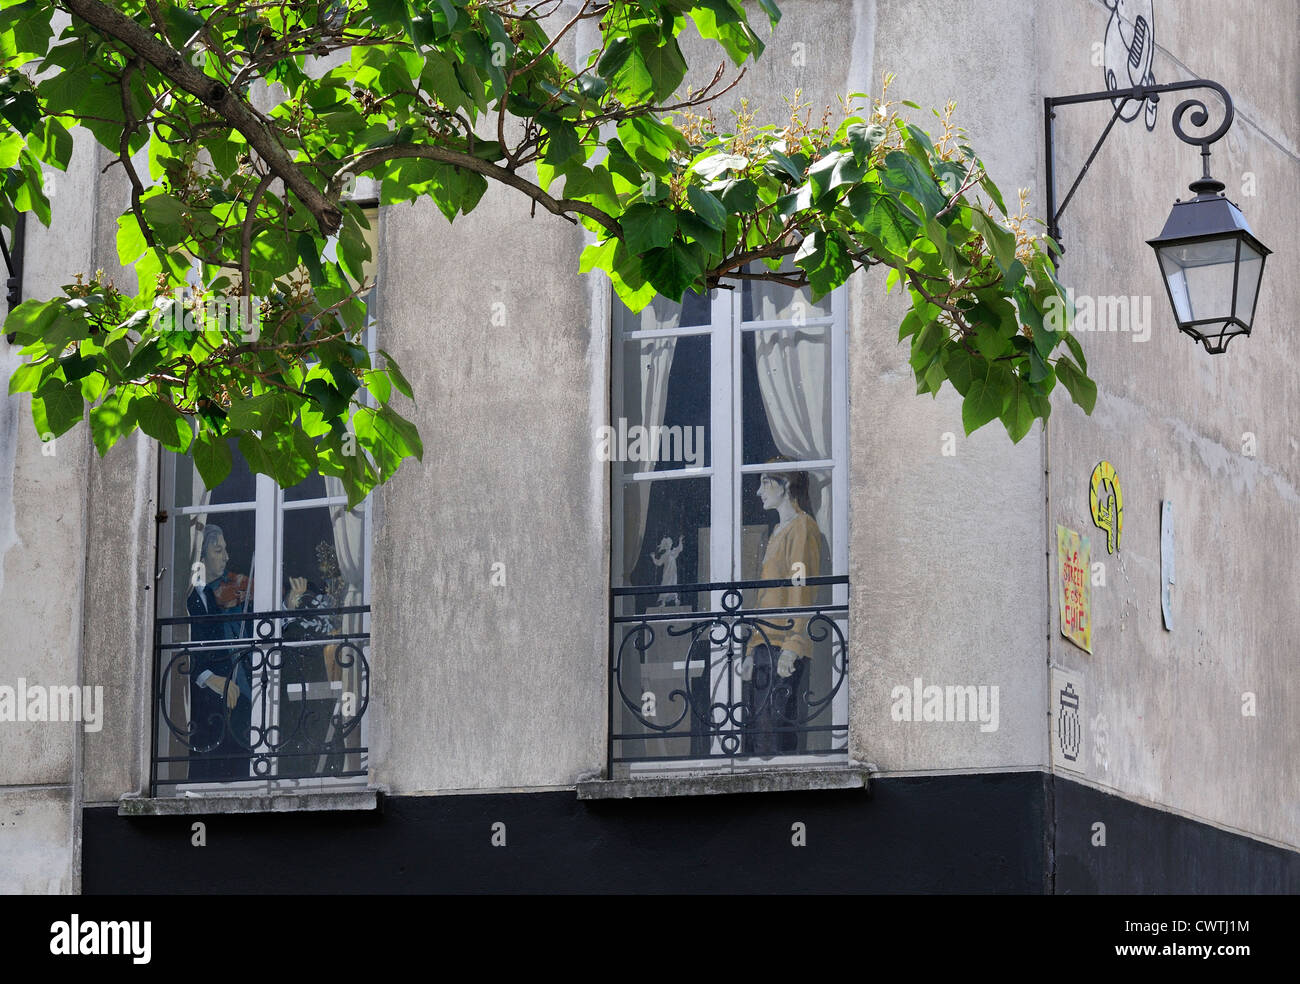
940	834
1150	851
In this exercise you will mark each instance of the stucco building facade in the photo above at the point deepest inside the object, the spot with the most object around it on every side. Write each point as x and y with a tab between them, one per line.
489	566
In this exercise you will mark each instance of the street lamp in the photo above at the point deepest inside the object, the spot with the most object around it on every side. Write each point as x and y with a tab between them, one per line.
1210	261
1212	264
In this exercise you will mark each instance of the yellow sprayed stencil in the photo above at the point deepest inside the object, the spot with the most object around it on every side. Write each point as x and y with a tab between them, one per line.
1107	503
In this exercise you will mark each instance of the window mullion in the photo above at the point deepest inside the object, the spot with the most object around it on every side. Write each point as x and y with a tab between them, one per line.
266	527
721	347
840	437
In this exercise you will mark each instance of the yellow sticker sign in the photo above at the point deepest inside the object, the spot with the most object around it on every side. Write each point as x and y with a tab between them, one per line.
1075	592
1107	503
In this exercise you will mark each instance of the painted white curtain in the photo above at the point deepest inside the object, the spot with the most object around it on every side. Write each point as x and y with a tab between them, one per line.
655	362
350	549
793	378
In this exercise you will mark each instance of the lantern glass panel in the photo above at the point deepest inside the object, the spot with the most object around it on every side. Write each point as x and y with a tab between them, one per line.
1249	272
1200	278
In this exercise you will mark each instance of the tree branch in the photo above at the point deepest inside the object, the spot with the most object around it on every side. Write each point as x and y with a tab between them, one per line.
366	160
246	242
175	67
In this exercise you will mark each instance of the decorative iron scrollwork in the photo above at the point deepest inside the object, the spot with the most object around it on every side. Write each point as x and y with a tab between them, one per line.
285	702
727	697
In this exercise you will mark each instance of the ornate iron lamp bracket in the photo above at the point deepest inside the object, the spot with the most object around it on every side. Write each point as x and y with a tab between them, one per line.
1200	116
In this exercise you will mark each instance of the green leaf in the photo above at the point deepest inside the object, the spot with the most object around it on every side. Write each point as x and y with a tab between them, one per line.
912	323
1038	367
827	261
181	25
718	20
21	109
790	166
395	374
51	142
715	165
439	77
75	366
615	57
992	190
164	214
212	458
882	217
707	207
10	147
310	257
1018	415
995	324
923	140
390	13
835	169
1001	241
399	432
773	12
111	420
161	422
333	404
739	196
145	358
962	368
663	62
864	138
27	378
30	319
1082	389
692	227
130	240
256	454
672	269
57	406
985	398
646	227
562	143
904	174
927	346
1072	343
264	412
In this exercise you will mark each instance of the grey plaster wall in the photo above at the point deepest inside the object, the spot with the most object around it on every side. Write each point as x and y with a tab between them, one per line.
1163	710
122	533
949	579
37	829
43	549
482	684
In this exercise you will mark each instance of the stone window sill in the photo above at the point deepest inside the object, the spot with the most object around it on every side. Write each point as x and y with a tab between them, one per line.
853	775
350	800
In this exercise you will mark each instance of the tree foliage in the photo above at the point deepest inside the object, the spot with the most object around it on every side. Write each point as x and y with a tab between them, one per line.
250	258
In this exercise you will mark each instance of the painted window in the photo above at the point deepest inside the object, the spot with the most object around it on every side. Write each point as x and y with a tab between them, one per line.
728	448
262	638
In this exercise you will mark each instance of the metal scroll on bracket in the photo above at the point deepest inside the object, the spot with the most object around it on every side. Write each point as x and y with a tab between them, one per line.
1200	116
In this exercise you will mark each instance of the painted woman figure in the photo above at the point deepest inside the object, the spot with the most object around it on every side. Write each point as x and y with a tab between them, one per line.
780	658
221	694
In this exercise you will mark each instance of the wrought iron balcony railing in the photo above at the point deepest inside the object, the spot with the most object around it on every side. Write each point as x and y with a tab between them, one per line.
711	686
261	697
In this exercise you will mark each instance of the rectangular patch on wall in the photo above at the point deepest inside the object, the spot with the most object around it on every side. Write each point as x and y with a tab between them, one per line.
1073	570
1069	713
